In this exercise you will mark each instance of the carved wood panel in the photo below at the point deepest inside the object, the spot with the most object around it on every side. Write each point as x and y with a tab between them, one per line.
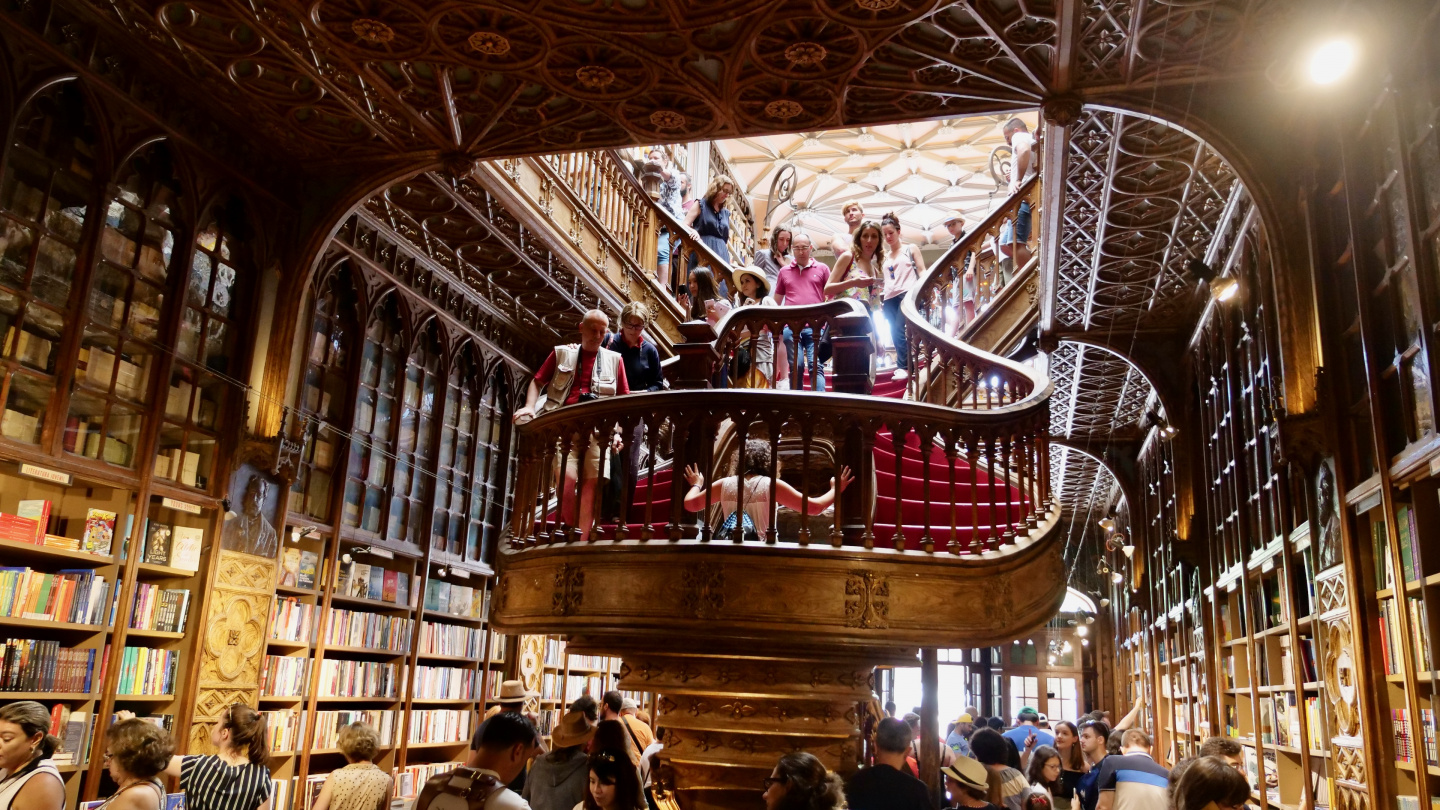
233	642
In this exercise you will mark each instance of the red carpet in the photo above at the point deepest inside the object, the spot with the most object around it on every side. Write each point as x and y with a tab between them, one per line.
972	498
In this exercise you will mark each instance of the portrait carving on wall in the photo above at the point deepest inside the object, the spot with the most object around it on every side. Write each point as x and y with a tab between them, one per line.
254	499
1327	518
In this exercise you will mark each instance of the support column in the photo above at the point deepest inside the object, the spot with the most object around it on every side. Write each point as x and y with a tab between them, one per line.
727	714
930	722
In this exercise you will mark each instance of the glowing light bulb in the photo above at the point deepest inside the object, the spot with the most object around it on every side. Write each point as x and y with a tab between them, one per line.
1332	61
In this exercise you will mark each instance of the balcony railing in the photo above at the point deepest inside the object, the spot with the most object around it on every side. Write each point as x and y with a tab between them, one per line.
948	371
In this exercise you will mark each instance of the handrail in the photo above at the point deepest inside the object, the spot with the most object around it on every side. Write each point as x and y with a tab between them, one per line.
985	480
678	233
950	371
976	332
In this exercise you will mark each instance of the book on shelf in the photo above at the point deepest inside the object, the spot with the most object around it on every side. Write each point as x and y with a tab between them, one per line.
157	543
1390	638
163	609
1286	673
440	725
173	801
281	676
1307	660
78	596
461	600
1407	535
445	683
353	628
282	793
371	679
71	733
99	531
307	569
1314	724
38	510
1380	549
1267	720
18	528
1400	728
145	671
1427	724
290	567
437	595
360	581
42	665
1419	633
402	589
185	548
376	589
389	584
293	620
439	638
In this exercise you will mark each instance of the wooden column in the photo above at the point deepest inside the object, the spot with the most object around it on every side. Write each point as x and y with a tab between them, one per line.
930	723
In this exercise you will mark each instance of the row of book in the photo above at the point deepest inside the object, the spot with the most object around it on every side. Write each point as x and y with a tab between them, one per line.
329	723
1279	720
595	662
577	685
438	638
550	684
445	683
456	600
363	581
285	729
173	546
284	677
79	596
554	652
360	679
411	779
440	725
1315	724
29	665
144	671
31	524
293	620
352	628
1390	635
1408	535
163	609
1405	750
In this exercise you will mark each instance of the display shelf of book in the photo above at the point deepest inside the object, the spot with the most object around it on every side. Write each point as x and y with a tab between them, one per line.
58	599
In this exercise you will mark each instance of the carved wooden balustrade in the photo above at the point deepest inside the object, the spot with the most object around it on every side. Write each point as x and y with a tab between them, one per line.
602	184
947	370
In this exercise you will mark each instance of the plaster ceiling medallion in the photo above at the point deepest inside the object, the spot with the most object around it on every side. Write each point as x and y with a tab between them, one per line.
373	32
488	43
784	109
806	54
595	77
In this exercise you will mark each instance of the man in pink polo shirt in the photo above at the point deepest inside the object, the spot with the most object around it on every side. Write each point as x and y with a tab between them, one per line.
801	282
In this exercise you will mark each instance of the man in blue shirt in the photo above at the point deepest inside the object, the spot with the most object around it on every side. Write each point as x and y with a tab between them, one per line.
1133	780
643	372
1028	720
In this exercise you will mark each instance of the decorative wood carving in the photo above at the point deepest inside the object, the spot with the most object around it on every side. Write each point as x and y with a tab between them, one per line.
233	641
569	590
704	585
867	600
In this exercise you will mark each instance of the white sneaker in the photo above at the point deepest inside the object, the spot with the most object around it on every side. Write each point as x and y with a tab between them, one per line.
783	384
901	374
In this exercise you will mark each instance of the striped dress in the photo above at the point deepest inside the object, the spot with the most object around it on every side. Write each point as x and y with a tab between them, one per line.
210	783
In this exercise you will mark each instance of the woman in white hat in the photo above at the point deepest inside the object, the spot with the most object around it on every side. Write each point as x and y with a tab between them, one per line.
754	290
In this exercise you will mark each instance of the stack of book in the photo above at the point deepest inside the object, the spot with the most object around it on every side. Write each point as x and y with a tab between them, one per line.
350	628
74	730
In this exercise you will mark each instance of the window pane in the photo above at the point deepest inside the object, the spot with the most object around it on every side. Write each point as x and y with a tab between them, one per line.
25	405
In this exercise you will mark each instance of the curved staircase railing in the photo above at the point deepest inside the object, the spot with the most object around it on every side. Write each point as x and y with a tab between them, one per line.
947	370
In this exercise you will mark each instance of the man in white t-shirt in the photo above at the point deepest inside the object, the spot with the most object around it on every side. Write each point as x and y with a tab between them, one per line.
502	746
1023	166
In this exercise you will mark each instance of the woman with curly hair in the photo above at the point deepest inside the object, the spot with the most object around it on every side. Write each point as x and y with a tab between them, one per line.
137	752
800	782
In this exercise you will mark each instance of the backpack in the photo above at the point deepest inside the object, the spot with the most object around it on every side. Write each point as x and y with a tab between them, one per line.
460	789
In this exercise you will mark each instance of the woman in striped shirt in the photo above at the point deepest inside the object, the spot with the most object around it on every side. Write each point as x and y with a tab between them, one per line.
237	778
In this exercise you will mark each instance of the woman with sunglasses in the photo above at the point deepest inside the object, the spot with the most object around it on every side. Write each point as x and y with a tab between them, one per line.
136	753
800	782
614	782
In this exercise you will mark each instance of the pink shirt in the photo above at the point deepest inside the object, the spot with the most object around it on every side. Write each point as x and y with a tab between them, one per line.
799	287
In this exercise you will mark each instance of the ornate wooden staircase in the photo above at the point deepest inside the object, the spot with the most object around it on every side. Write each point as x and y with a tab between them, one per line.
764	646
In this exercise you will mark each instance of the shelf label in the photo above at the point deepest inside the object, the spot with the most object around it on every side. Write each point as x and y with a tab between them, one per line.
45	474
459	573
180	506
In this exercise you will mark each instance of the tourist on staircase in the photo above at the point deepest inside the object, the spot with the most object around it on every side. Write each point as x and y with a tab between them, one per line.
801	282
857	270
853	213
703	301
1015	237
758	348
800	782
759	510
903	268
709	221
576	373
642	373
772	258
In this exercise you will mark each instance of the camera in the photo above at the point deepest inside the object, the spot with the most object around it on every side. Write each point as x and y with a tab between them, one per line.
588	396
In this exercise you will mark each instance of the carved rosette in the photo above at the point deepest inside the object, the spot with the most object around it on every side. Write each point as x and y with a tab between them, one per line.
1339	670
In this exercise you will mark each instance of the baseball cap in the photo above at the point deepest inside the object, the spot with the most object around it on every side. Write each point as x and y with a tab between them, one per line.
953	216
628	703
968	772
965	718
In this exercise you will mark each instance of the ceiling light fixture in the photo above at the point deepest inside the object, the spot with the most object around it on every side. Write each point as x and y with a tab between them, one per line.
1117	577
1222	288
1104	601
1082	631
1128	549
1332	60
1107	523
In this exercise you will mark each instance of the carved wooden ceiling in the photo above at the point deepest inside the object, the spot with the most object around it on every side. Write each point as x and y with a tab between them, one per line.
338	81
1097	393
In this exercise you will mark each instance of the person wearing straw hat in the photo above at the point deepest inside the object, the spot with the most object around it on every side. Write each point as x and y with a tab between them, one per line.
558	779
511	699
754	290
967	782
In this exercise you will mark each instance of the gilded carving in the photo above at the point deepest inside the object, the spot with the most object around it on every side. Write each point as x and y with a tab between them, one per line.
704	586
569	590
867	600
234	637
1341	686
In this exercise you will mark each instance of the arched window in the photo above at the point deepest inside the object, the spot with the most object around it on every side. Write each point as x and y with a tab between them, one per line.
457	453
325	394
414	445
204	353
371	441
46	196
489	484
124	311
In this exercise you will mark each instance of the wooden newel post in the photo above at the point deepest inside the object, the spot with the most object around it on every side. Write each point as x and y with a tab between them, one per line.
697	355
852	352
